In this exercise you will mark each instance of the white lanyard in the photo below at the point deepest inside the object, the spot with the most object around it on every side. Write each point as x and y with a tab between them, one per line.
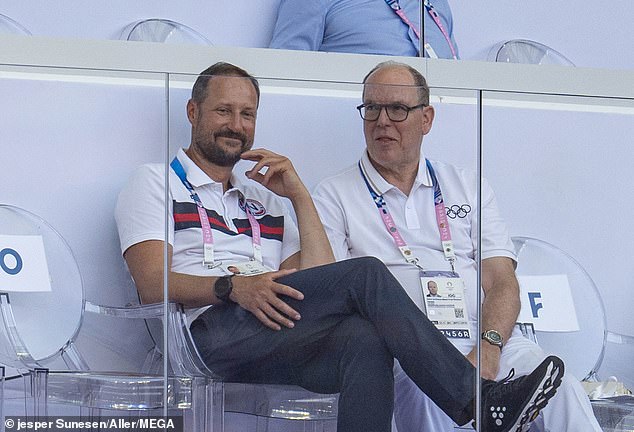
208	241
388	221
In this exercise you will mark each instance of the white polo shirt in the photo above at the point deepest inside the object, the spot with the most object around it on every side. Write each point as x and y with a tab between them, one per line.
140	216
355	228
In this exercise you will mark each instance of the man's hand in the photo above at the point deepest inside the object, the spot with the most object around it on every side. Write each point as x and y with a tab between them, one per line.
490	360
280	177
260	296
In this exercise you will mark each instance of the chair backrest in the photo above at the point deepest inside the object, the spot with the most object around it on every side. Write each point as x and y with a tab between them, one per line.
41	320
580	344
527	52
10	26
163	30
184	358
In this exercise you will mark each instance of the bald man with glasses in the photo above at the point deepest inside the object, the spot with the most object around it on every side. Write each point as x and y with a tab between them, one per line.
419	217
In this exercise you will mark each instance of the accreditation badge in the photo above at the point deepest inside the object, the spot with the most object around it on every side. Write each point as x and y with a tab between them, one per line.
245	268
444	296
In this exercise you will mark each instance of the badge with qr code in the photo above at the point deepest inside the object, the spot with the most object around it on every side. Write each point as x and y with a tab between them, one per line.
443	294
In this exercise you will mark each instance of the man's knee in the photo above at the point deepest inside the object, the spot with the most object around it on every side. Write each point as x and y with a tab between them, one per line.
368	267
370	263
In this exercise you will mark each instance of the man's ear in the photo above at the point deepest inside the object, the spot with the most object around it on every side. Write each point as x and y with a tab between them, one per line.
428	118
192	111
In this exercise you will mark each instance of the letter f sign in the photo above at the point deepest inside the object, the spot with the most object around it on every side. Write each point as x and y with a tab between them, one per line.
535	306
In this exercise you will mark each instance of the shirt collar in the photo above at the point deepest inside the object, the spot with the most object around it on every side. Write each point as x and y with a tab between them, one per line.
197	177
381	186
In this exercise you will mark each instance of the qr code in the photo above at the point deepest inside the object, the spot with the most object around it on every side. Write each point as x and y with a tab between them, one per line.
459	313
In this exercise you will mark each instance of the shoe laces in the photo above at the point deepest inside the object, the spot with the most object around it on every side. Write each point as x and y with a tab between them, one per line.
509	377
500	388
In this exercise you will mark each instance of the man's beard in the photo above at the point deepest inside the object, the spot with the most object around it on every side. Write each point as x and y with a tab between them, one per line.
216	154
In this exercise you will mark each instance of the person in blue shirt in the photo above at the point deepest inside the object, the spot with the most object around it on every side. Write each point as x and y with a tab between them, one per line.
366	27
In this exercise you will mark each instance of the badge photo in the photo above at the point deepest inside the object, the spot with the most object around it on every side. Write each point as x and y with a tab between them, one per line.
245	268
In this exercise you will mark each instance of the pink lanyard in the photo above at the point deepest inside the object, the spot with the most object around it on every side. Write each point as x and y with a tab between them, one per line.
208	240
434	16
441	220
396	7
255	230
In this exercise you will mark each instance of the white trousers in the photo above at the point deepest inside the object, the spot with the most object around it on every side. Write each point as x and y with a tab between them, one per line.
568	411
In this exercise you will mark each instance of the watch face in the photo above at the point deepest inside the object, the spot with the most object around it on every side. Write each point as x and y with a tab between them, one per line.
222	287
493	337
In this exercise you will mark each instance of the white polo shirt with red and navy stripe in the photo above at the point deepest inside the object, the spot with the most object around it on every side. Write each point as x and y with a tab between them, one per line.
140	216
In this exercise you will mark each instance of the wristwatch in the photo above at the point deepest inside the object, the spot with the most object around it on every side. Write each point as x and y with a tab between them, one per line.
493	337
223	287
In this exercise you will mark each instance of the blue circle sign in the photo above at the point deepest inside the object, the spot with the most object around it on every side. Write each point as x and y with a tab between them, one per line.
18	261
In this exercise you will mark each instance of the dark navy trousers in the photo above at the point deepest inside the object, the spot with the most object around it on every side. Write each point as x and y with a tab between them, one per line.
356	319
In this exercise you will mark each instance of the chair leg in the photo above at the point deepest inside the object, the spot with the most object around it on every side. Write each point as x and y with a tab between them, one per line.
261	424
39	390
216	394
208	405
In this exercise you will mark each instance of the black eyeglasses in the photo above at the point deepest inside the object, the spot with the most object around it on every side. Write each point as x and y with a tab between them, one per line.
395	112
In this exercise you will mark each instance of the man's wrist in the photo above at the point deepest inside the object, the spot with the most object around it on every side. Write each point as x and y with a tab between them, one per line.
494	338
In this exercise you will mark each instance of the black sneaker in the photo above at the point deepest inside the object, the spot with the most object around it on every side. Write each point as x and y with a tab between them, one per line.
512	405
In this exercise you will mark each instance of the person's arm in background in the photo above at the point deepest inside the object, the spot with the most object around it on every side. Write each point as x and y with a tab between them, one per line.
300	25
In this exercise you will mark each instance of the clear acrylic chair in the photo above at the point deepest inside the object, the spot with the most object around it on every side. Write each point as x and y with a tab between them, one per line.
314	412
537	258
583	350
163	31
527	52
191	386
11	26
38	331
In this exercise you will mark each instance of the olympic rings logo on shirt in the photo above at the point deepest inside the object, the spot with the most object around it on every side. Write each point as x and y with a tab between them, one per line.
460	211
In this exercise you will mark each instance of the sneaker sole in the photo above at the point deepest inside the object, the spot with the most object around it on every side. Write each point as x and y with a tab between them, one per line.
542	393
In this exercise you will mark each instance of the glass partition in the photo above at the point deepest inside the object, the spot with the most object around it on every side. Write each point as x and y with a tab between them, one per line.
71	139
558	165
316	124
561	166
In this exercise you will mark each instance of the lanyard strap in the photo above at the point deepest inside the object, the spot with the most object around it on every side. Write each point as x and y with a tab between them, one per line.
436	18
441	218
396	7
388	221
256	239
208	241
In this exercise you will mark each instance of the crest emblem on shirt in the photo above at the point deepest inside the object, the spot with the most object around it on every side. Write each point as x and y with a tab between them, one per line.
255	207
